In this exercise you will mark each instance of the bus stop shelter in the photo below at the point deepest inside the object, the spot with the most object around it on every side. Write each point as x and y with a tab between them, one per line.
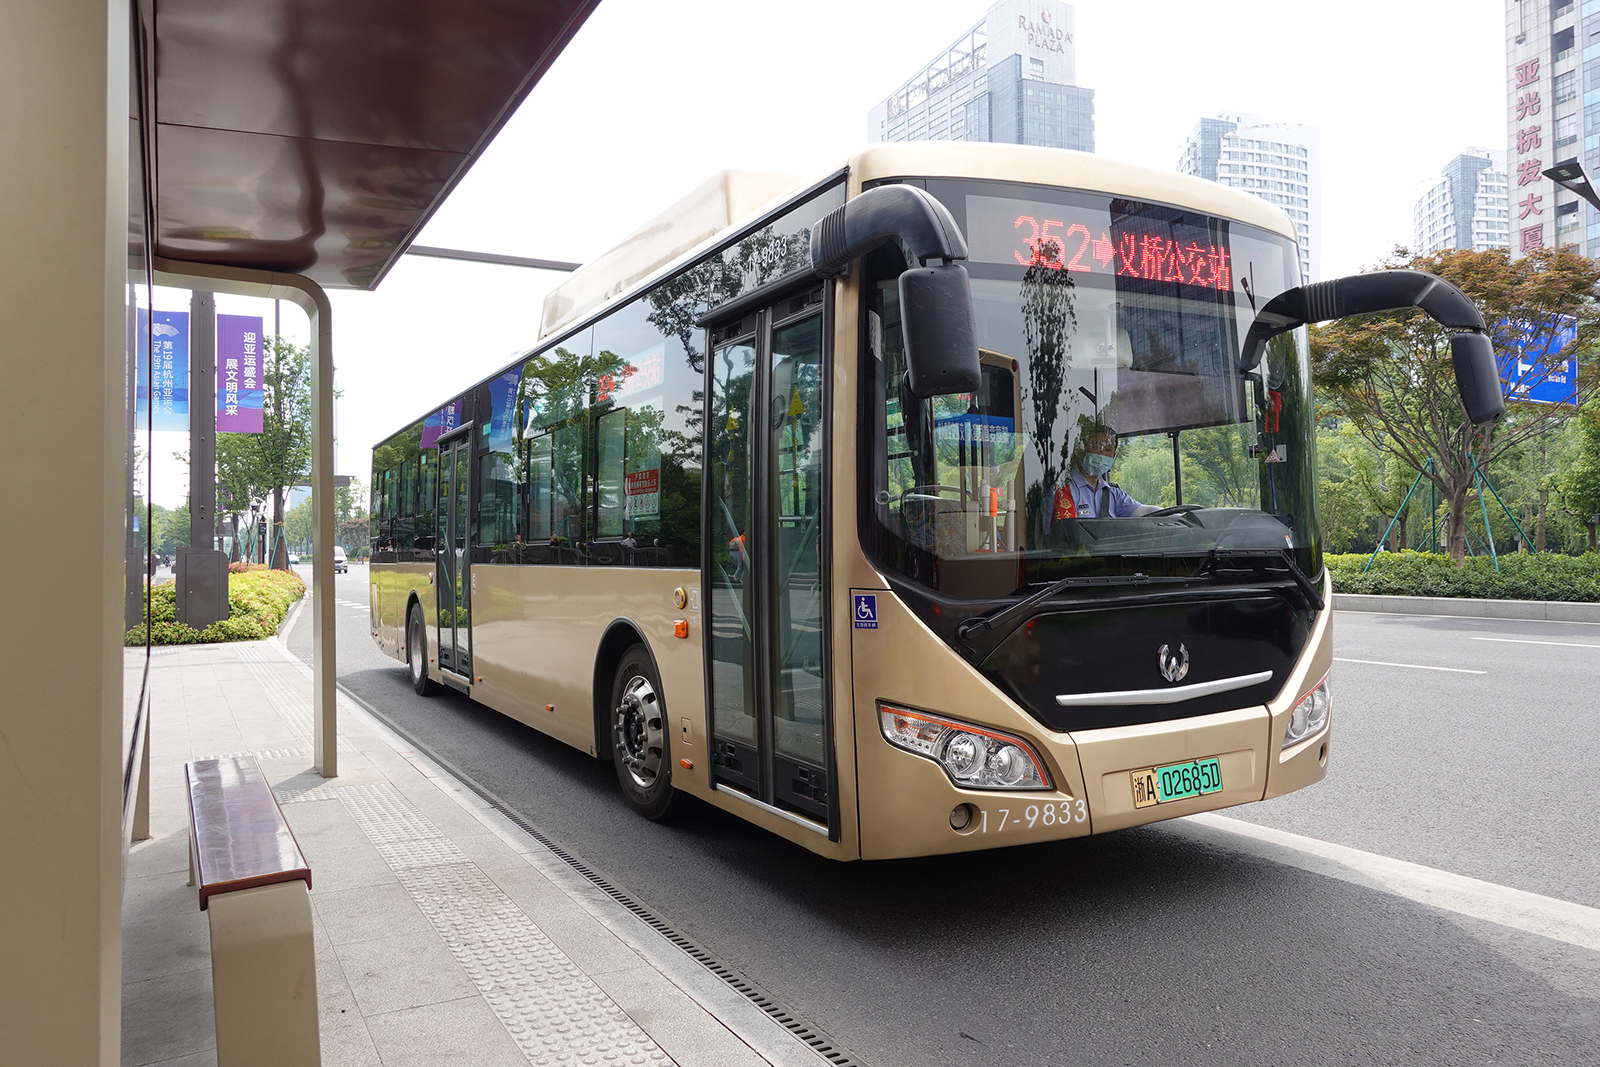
277	149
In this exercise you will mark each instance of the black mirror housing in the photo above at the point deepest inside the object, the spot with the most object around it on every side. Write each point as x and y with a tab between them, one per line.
1477	378
940	335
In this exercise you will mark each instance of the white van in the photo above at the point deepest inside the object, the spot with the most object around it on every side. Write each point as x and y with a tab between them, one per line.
341	564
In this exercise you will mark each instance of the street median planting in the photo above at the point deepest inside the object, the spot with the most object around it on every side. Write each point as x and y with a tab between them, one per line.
258	599
1521	576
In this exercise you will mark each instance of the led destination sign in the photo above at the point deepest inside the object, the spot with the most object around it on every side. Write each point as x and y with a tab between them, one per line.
1083	239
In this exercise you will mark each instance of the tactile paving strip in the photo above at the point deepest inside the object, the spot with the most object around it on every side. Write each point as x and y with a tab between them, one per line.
291	704
552	1010
291	794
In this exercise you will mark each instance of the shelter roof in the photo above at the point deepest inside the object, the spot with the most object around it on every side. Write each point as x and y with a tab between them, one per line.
318	136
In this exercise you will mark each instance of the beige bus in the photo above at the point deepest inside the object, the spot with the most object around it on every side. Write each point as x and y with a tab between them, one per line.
965	497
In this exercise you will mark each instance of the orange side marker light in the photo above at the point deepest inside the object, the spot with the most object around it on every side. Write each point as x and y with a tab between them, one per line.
680	628
686	764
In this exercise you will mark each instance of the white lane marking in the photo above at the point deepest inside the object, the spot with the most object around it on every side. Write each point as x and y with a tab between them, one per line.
1559	920
1524	641
1413	666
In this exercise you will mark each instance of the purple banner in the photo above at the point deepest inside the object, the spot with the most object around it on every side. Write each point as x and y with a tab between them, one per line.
239	393
440	422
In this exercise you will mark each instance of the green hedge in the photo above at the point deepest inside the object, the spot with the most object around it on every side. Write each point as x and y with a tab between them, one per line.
257	602
1522	576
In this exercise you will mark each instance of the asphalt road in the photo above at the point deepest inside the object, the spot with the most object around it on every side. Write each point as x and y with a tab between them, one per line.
1150	946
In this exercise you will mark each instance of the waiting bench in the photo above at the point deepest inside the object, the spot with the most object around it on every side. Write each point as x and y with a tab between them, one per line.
254	883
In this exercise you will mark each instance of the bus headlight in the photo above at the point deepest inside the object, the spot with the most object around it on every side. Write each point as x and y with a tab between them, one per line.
1310	715
973	757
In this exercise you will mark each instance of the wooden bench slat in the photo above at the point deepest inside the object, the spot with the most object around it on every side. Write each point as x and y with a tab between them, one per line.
238	833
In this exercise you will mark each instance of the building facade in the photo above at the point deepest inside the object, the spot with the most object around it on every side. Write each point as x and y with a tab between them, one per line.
1547	123
1278	162
1465	208
1010	78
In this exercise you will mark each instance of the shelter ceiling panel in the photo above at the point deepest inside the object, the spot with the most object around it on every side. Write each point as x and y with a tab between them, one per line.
432	74
331	210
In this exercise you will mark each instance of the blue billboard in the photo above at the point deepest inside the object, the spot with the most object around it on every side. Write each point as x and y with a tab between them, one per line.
1539	362
167	381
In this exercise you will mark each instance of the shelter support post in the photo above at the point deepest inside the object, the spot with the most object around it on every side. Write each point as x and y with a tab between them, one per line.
309	297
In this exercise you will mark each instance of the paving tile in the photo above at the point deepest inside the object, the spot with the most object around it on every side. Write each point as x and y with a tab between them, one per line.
163	929
345	1040
340	855
464	1032
367	913
390	973
683	1029
166	1017
208	1058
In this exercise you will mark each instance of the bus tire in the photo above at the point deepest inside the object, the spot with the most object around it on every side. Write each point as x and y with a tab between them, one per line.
417	652
638	728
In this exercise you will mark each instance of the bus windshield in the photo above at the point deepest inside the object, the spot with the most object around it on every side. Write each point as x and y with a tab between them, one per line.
1114	431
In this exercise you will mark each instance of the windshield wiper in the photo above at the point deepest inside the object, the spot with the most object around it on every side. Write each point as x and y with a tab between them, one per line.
970	628
1222	557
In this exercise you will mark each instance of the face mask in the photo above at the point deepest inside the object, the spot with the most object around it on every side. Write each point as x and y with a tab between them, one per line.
1096	465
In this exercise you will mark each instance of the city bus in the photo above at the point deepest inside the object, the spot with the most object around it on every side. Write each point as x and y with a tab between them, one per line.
965	497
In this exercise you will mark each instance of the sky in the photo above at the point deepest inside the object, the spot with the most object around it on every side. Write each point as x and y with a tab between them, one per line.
652	98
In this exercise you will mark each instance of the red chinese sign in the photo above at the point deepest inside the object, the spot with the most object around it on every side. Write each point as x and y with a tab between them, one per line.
1059	245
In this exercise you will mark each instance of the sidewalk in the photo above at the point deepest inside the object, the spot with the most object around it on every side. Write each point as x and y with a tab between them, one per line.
444	933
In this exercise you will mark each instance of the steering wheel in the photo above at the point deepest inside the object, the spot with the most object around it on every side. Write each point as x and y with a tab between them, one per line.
1176	509
923	491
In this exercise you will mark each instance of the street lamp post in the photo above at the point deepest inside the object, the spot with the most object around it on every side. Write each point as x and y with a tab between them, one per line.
1569	175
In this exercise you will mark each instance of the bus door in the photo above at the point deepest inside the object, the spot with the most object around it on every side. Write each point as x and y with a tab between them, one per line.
452	581
767	588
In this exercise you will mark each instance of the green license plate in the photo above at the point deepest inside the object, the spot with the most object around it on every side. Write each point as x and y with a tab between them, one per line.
1176	781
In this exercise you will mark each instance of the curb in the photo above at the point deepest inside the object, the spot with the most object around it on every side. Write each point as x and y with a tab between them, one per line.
1525	610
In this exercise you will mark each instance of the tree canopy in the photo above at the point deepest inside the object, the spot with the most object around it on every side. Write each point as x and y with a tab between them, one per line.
1391	376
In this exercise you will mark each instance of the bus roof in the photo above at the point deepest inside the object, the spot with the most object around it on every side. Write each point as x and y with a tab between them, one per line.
731	197
1061	167
710	208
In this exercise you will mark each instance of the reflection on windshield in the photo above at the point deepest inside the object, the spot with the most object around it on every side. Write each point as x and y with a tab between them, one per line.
1112	429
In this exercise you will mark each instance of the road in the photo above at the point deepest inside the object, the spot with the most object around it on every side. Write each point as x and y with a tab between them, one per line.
1460	744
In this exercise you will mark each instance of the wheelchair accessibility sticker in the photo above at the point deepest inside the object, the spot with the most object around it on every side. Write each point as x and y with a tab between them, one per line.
866	611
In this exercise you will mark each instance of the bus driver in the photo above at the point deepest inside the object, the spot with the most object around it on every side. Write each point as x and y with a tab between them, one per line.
1087	494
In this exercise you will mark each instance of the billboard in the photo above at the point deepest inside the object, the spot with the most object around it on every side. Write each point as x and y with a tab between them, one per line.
162	390
239	365
1532	366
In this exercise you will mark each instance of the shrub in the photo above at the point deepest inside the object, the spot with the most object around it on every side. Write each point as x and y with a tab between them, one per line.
1522	576
244	566
258	599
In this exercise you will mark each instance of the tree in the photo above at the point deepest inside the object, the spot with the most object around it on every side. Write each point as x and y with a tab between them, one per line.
1391	374
297	526
1578	486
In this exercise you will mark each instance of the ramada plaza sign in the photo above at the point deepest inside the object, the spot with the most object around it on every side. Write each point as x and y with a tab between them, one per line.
1042	34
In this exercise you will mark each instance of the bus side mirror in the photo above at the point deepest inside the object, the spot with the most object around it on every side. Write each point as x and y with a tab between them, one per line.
936	315
940	336
1477	378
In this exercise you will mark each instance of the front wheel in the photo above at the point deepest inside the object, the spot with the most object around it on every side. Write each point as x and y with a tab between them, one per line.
639	736
417	653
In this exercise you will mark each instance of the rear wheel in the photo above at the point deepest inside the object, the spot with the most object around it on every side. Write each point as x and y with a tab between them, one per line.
417	652
639	746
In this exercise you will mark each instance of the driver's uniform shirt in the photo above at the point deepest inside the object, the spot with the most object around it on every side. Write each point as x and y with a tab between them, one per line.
1079	500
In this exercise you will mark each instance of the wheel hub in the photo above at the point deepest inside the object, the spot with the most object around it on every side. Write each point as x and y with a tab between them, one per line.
637	729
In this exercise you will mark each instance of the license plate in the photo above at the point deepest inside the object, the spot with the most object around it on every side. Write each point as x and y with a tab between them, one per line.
1176	781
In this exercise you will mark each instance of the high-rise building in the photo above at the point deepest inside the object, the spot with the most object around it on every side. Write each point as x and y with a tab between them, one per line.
1465	208
1543	117
1009	78
1277	161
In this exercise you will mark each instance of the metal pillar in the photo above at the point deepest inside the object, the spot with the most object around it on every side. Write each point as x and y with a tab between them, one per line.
309	297
202	569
